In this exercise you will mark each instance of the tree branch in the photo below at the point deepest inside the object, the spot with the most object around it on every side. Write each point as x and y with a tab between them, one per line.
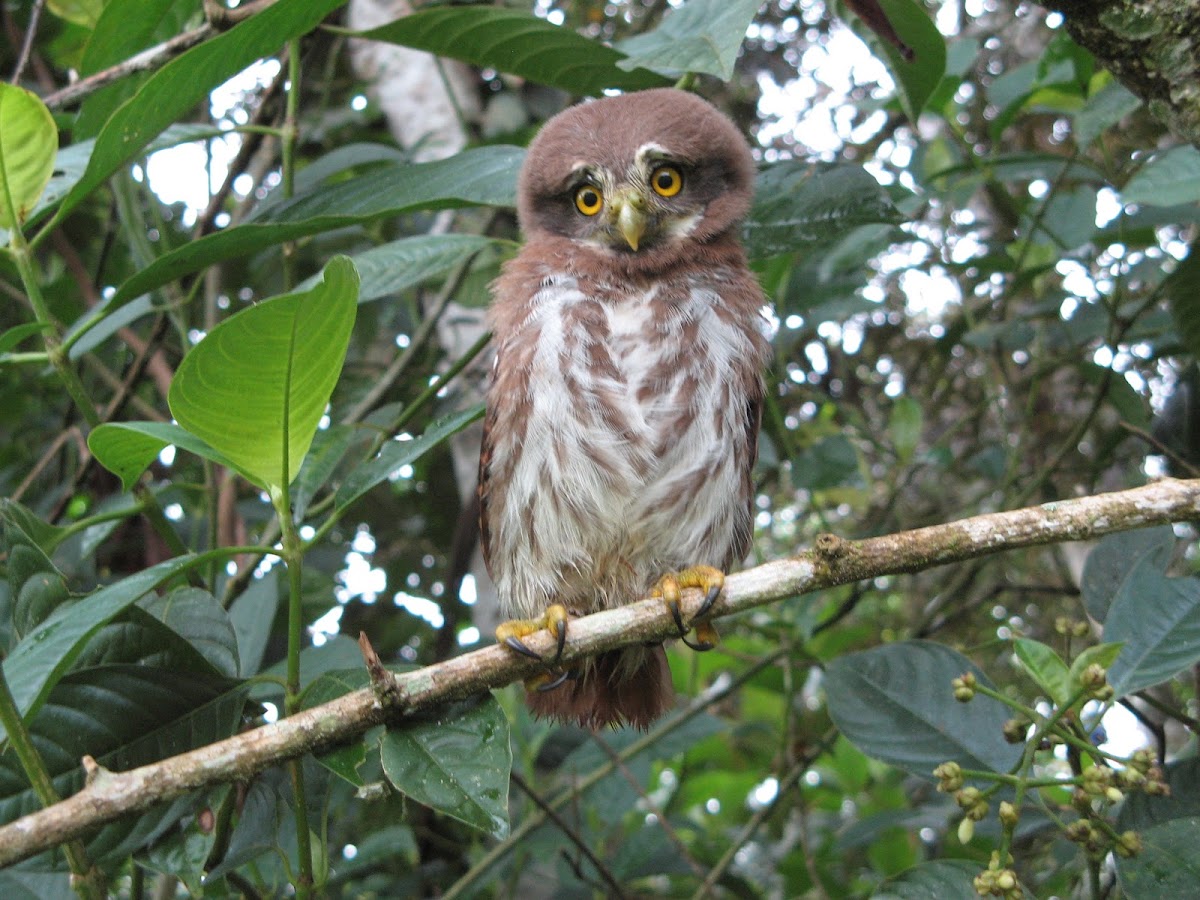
833	561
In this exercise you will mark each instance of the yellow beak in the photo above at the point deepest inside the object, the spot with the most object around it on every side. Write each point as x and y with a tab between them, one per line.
630	218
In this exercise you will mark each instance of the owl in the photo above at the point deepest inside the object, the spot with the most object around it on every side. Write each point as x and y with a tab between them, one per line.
626	394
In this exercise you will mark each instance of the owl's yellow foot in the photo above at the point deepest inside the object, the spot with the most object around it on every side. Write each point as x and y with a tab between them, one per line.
554	619
708	580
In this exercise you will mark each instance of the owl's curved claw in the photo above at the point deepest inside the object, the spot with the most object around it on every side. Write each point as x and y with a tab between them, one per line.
714	591
669	589
554	619
519	645
536	683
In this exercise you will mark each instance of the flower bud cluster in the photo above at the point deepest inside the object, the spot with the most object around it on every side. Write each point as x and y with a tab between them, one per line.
964	687
995	881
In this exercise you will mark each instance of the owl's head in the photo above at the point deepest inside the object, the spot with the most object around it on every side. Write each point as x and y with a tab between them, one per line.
637	178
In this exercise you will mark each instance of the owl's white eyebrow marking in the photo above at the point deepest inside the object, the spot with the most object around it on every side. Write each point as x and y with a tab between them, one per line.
651	150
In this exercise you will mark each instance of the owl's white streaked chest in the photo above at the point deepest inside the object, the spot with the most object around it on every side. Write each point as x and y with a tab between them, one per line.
627	464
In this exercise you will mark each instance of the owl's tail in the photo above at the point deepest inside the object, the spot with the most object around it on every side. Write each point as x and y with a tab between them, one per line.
631	686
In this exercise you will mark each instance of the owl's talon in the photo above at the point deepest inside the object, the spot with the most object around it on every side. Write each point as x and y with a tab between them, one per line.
554	620
706	637
714	591
560	679
517	644
705	578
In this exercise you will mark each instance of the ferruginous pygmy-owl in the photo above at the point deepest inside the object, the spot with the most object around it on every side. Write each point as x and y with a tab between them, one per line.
623	413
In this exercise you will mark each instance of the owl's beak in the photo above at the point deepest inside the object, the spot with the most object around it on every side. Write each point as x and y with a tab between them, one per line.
631	217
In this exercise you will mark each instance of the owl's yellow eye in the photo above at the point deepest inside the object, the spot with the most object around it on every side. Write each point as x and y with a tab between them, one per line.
588	200
666	181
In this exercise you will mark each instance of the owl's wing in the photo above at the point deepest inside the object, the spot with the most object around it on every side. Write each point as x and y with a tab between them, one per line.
483	486
753	423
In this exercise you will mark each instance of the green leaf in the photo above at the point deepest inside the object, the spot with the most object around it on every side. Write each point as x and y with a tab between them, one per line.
1099	654
1158	620
28	142
945	879
458	764
1141	811
38	662
252	615
1168	865
1113	561
1168	179
895	704
267	820
123	28
80	12
13	336
37	587
701	36
23	884
400	265
518	43
797	203
256	387
484	176
197	617
1183	297
173	91
124	716
918	77
905	426
1105	108
328	448
127	448
1047	669
395	454
344	761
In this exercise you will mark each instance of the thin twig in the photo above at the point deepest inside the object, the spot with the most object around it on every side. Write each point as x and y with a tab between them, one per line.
27	44
651	806
571	834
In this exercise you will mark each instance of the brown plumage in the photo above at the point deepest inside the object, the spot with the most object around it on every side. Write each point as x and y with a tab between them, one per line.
623	413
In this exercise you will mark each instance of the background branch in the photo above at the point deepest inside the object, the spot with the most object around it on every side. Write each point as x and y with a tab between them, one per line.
832	561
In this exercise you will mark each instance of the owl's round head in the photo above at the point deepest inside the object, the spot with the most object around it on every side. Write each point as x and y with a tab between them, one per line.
637	177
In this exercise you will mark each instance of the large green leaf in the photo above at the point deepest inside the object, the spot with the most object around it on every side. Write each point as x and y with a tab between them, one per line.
1103	109
458	764
945	879
395	454
171	93
1168	179
38	662
127	448
123	28
798	204
1183	296
37	586
402	264
484	176
124	716
1140	810
28	141
256	387
895	703
701	36
1112	561
267	823
1158	620
1168	865
516	42
1047	669
918	77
